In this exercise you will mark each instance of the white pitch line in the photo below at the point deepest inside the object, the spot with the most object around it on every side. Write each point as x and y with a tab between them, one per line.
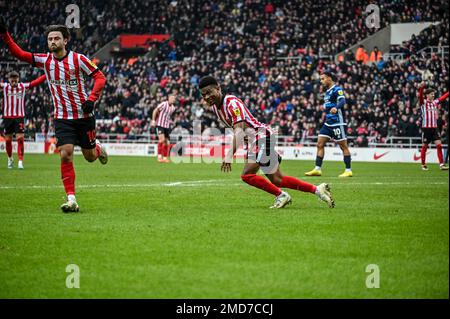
206	183
391	183
148	185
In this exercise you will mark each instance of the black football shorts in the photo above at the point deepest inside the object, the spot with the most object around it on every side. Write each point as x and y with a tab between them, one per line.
430	135
79	132
14	125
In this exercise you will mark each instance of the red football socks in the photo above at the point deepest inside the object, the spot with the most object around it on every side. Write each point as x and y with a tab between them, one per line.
293	183
20	148
68	177
423	153
261	183
160	148
166	150
439	153
9	147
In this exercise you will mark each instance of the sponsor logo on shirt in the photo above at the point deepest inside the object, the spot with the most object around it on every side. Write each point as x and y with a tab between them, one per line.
64	82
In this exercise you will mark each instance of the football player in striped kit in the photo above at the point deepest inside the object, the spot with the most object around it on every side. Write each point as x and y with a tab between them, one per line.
429	107
161	119
14	114
261	142
65	71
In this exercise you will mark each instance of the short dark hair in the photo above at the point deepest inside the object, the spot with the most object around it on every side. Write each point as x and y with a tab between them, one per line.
330	74
58	27
429	90
207	80
13	74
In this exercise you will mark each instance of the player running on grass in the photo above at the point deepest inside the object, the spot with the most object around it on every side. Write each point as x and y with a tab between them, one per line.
161	118
261	153
74	119
334	127
430	112
14	113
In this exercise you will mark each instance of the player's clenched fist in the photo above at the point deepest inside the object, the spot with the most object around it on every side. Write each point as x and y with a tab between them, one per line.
88	106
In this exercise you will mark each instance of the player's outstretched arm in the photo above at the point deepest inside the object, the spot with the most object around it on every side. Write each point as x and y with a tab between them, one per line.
12	46
443	97
421	89
37	81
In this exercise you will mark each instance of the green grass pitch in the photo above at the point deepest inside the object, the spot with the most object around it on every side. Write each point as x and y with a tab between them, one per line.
150	230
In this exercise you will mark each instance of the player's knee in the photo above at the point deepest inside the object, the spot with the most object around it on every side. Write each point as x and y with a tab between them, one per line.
276	181
247	177
66	157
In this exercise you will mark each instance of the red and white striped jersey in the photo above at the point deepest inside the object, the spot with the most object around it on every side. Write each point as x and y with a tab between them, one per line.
14	99
233	111
430	113
66	81
164	115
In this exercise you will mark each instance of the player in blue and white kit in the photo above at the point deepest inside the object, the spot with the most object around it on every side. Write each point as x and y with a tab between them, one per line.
335	127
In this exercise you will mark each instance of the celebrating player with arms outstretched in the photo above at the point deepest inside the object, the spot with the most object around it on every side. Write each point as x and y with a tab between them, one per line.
334	126
261	153
14	113
429	107
73	112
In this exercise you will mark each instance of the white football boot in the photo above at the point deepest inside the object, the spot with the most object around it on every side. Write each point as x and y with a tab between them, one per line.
103	158
10	162
282	200
70	206
324	193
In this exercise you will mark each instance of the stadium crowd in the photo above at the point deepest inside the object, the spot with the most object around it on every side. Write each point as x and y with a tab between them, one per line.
283	28
268	57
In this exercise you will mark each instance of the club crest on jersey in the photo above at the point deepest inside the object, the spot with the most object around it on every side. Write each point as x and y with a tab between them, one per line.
237	112
340	92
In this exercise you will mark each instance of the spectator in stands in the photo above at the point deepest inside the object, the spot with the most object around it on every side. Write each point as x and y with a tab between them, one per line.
376	55
361	55
270	60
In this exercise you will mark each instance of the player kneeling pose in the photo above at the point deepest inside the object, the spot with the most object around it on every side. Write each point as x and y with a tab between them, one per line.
261	141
